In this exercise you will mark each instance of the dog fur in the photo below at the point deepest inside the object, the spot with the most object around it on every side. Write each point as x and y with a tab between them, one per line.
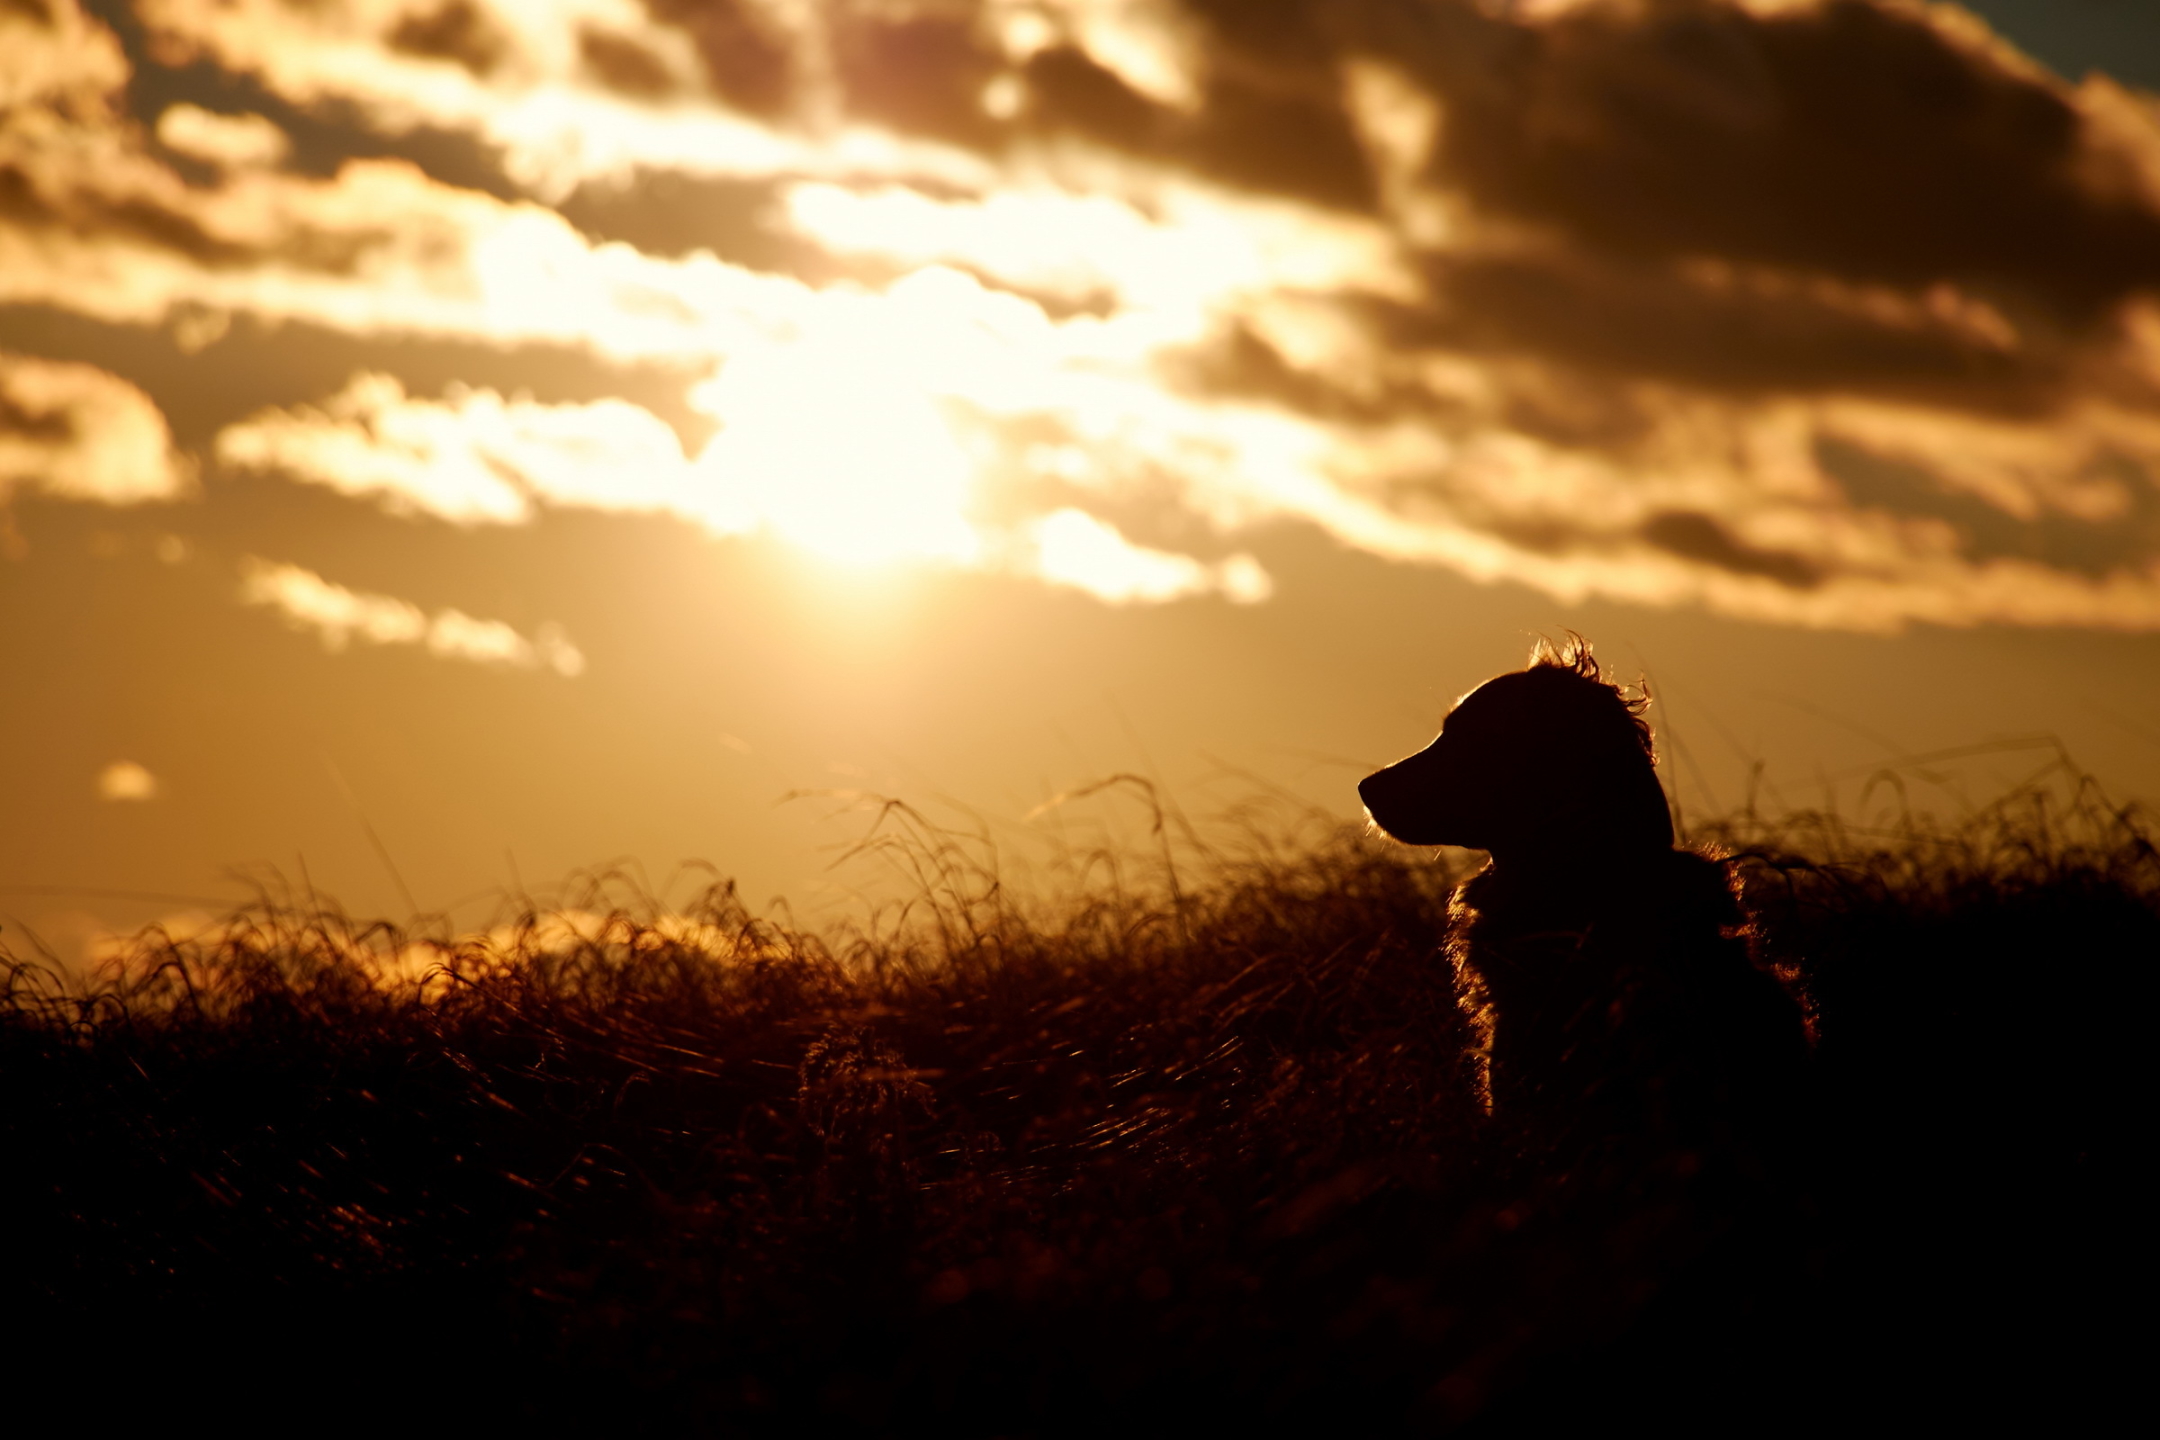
1609	974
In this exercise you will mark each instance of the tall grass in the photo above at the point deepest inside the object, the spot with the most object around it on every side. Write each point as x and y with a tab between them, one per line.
1168	1135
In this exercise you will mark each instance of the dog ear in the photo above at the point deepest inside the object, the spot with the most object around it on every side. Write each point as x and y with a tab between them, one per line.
1640	811
1616	800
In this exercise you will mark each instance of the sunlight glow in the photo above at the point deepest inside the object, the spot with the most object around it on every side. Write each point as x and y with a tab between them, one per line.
834	446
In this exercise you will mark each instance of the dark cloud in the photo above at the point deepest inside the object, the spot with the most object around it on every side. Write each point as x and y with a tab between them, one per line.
1842	198
1985	532
749	63
1693	535
1241	363
922	74
1727	331
458	31
1066	88
165	215
1278	132
668	213
1875	143
664	212
46	424
255	365
1281	138
1850	138
1564	334
1878	145
623	64
32	202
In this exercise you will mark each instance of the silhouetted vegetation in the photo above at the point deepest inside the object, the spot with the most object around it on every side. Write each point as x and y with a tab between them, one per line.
1152	1155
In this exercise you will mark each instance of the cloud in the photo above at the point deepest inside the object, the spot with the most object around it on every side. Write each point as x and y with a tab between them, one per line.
126	780
379	250
338	616
566	90
79	433
57	61
1077	550
1821	312
92	221
470	458
1188	248
235	142
1880	143
890	483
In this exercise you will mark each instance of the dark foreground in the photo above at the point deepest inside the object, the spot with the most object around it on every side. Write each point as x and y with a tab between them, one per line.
1185	1164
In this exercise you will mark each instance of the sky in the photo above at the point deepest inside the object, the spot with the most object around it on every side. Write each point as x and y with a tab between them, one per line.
445	446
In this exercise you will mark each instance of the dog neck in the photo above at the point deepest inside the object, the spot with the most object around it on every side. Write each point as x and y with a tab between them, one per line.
1577	857
1566	879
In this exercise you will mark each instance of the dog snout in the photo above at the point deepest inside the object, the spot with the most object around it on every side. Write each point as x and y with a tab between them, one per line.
1394	798
1376	788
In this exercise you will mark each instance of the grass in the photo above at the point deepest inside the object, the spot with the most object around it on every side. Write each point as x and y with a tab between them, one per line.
1158	1140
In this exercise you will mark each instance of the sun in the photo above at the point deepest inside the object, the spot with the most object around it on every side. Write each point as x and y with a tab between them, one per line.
833	440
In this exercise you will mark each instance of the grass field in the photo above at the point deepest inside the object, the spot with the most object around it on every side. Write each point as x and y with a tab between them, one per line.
1147	1148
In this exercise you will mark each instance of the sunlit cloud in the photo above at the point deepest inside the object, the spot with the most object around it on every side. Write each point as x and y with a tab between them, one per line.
472	457
565	90
379	250
80	433
125	780
56	59
1198	250
1075	549
338	616
813	447
890	480
233	141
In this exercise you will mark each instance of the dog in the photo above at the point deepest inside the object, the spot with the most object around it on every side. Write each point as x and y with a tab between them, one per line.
1610	977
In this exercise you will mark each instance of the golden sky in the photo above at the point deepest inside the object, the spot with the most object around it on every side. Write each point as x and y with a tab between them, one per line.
550	431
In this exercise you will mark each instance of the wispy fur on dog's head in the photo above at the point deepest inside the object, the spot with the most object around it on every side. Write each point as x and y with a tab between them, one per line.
1551	760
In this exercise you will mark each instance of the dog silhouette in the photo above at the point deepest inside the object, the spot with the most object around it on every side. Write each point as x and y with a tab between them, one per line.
1609	975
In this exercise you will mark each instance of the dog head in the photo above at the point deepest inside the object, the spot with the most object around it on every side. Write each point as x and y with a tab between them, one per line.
1549	759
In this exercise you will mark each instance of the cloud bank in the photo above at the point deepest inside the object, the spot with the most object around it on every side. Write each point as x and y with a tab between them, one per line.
1819	312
